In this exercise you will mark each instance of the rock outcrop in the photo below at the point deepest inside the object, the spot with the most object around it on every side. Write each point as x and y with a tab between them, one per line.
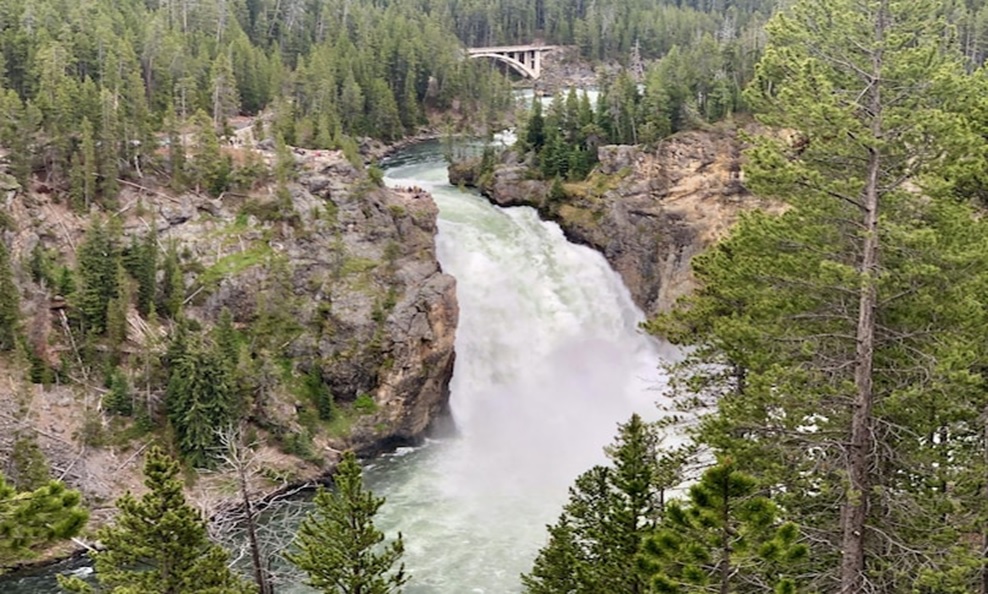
340	272
647	212
359	275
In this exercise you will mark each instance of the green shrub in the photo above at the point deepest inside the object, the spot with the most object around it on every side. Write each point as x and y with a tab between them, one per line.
376	175
365	405
317	392
119	400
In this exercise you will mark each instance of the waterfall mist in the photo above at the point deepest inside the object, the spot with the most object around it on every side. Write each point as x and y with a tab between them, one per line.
549	360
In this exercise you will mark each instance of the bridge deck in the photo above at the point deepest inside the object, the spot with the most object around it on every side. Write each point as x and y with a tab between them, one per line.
509	48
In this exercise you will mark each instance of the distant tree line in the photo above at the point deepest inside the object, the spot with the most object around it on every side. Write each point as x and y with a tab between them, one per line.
692	73
605	30
88	90
682	91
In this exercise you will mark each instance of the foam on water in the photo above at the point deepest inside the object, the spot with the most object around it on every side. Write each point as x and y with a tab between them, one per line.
549	360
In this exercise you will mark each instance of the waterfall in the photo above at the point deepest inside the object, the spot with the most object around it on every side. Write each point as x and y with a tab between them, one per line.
549	360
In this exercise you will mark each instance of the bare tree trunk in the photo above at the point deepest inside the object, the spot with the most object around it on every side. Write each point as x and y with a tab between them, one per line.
260	575
725	546
241	460
220	19
855	511
984	490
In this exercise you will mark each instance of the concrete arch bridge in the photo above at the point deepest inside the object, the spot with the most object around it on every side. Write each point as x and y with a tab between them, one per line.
526	60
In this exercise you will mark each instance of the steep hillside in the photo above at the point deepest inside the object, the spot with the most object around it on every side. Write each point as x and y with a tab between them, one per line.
326	290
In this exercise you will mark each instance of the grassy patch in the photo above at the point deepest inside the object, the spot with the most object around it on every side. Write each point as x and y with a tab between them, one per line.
354	265
234	264
342	422
345	415
365	405
581	217
330	212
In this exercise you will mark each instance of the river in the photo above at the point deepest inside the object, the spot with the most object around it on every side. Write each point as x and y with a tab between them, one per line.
549	360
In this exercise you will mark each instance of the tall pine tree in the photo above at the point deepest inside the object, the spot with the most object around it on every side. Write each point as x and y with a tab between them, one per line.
10	308
200	399
159	543
337	544
97	265
813	328
611	509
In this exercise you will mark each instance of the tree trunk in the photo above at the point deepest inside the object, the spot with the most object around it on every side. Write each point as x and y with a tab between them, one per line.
260	575
855	510
725	544
984	489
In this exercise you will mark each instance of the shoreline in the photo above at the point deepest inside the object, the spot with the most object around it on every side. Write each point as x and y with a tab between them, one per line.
77	549
379	151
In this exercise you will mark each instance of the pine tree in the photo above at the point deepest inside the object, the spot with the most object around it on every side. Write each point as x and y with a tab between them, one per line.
87	165
212	168
811	333
141	262
172	284
40	266
227	338
578	542
725	538
30	519
97	268
337	544
76	191
17	129
225	99
200	399
159	543
557	193
559	567
535	128
10	303
176	151
611	509
120	399
108	153
382	111
657	107
903	133
116	312
29	469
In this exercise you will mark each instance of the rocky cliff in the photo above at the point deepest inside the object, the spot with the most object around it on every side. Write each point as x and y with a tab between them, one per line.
647	211
339	275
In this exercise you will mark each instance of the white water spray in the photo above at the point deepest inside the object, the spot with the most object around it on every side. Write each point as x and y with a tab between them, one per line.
549	360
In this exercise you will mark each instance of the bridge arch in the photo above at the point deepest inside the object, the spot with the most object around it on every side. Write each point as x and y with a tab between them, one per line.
514	64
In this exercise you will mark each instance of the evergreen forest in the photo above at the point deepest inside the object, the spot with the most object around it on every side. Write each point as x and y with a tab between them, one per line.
832	382
92	91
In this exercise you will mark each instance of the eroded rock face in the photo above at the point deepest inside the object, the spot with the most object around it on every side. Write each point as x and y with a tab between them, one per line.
358	274
647	212
341	275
